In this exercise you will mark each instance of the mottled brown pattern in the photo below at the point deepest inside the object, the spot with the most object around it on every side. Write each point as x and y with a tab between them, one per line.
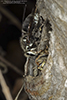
51	84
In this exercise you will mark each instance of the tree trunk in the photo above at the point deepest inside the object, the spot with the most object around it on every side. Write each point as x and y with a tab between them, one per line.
52	84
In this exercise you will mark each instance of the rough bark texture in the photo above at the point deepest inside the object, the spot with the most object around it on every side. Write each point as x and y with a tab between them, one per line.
52	84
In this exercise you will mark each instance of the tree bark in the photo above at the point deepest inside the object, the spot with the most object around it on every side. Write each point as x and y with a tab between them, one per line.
52	84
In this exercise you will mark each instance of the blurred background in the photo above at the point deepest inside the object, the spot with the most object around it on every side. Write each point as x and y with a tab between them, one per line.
12	58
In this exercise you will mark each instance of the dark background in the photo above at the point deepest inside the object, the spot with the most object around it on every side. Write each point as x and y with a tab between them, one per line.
10	48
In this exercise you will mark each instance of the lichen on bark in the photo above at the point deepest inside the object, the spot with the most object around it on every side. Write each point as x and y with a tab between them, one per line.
52	84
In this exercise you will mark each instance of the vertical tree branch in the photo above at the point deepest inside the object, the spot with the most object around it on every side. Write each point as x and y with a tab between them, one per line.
5	88
52	84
